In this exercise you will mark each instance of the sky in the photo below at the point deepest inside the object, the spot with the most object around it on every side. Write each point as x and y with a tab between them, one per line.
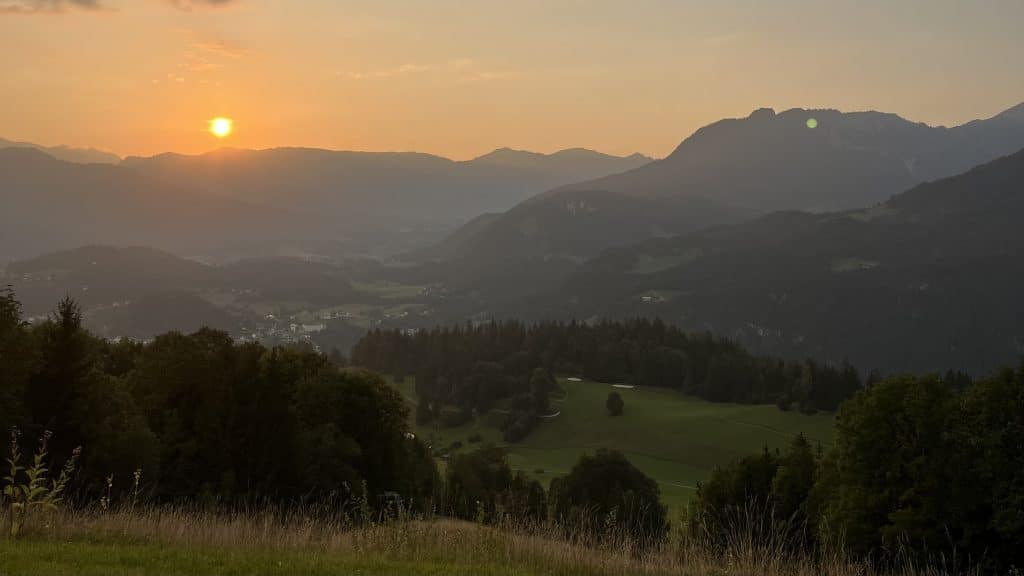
461	78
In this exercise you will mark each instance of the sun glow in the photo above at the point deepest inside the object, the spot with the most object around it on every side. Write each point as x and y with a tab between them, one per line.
221	127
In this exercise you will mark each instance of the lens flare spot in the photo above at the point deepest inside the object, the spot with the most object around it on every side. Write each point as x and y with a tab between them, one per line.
812	123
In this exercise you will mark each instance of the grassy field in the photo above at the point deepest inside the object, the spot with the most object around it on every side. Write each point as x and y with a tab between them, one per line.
675	439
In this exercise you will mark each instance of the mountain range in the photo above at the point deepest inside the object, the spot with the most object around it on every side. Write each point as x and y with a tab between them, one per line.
733	169
234	203
66	153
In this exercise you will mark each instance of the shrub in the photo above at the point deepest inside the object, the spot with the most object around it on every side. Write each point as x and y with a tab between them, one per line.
605	497
614	404
518	426
480	486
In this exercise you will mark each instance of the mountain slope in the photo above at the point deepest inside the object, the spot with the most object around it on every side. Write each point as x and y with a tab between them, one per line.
736	167
927	280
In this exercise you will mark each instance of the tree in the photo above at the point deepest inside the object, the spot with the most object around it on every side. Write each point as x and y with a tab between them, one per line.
541	385
900	495
614	403
990	486
65	359
605	496
475	482
16	362
733	496
357	425
525	499
765	497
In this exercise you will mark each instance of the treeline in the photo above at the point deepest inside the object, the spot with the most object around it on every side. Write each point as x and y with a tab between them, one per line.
922	467
205	419
463	368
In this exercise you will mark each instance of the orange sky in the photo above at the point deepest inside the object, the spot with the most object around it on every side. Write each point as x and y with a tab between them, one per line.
459	78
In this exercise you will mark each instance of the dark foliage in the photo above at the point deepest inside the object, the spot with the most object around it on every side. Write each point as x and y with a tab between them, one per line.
481	486
604	496
510	364
926	467
614	404
206	419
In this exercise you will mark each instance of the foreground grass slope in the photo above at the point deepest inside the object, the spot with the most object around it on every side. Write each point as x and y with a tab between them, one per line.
172	542
673	438
112	559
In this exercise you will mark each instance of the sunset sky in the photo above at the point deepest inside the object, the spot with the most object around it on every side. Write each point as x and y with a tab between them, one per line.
459	78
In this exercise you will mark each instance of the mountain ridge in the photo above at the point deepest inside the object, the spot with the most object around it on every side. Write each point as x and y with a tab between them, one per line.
763	162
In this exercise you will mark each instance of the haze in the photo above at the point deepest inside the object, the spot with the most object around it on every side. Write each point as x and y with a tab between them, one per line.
461	78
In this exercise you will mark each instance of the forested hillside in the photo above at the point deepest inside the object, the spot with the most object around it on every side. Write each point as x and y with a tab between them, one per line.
476	367
923	282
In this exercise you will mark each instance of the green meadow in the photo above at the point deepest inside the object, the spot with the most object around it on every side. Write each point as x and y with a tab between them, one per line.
676	439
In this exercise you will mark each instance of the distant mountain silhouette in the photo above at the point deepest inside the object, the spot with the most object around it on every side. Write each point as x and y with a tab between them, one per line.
52	205
930	279
373	189
234	203
67	154
737	167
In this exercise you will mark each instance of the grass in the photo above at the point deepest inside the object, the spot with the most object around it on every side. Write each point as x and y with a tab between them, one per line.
675	439
112	559
170	542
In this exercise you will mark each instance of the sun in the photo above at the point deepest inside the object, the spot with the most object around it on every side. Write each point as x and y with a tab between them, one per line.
221	127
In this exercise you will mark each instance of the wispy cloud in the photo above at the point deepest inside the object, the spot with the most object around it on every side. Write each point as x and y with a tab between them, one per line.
203	55
458	69
46	6
191	4
402	70
220	48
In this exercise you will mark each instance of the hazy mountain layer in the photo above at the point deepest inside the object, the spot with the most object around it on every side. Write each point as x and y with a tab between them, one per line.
931	278
233	203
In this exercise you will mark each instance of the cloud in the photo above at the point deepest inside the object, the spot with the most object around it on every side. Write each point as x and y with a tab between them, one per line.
402	70
46	6
191	4
203	54
220	48
462	70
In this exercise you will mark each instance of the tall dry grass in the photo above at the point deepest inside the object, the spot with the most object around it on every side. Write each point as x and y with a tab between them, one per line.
535	548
